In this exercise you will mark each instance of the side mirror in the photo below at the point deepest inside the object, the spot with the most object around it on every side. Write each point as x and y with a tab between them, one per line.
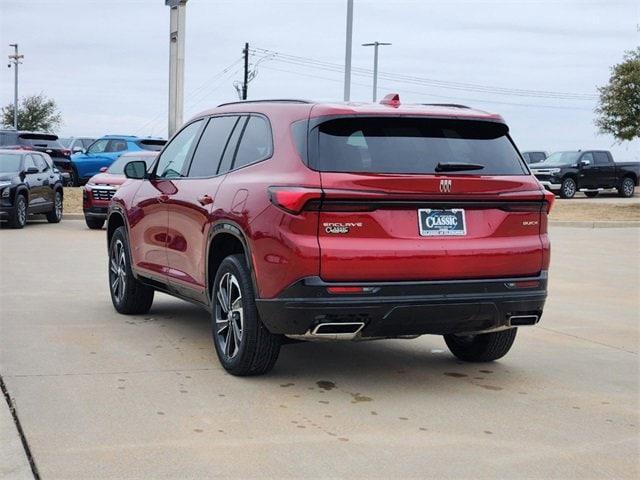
584	163
79	150
31	170
103	169
136	170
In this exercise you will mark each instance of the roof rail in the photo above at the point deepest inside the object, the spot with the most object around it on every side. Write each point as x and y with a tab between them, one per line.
454	105
267	100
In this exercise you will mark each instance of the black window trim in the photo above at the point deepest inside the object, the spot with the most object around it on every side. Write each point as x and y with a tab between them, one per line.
187	161
208	119
232	167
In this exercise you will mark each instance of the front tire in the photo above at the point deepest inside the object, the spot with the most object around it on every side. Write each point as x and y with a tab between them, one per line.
129	296
569	188
243	344
55	215
627	188
18	218
483	347
94	223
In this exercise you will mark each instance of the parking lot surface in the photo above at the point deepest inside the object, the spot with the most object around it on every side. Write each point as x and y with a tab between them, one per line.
101	395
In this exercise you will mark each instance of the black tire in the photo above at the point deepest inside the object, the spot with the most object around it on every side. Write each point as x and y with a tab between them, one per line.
258	348
74	181
94	223
18	218
483	347
569	188
129	296
591	194
627	188
55	215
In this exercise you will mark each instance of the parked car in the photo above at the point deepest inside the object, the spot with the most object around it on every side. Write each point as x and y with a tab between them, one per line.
336	221
589	171
76	144
100	188
534	156
105	150
29	184
38	141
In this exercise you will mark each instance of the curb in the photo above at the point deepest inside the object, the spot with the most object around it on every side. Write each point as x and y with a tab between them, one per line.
589	224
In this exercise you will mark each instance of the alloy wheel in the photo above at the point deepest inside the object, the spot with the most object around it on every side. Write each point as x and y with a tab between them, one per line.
229	315
569	188
22	212
627	187
117	270
58	206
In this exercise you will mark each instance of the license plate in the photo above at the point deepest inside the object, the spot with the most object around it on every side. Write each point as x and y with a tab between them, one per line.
441	222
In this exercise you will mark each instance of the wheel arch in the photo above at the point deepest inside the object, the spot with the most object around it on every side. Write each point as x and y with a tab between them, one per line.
114	220
632	176
226	238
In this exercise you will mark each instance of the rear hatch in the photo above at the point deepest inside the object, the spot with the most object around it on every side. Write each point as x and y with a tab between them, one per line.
415	198
44	142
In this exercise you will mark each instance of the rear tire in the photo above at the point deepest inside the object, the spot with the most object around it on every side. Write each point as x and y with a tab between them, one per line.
129	296
483	347
74	180
55	215
591	194
243	344
94	223
627	188
569	188
18	218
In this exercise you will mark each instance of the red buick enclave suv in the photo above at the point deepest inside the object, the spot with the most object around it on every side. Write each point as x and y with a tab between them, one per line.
336	221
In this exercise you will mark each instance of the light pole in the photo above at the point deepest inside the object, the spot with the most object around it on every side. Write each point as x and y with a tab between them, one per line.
176	63
347	53
15	60
375	46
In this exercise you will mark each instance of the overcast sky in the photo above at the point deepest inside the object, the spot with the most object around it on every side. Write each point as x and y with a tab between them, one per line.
105	62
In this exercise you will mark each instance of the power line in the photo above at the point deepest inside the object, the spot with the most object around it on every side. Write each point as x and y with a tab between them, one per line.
322	65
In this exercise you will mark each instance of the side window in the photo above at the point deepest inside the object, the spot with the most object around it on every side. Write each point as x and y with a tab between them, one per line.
98	146
255	144
40	163
587	157
86	142
29	163
173	157
213	141
537	157
232	146
602	159
116	146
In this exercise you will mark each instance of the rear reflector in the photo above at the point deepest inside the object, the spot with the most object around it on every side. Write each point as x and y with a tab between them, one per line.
523	284
350	290
293	199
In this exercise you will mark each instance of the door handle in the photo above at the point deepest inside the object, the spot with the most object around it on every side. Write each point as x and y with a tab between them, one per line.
205	200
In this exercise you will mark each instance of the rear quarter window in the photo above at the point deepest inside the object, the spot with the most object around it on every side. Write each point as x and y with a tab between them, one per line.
153	145
404	145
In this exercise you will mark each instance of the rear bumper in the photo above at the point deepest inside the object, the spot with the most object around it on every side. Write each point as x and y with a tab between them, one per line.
395	309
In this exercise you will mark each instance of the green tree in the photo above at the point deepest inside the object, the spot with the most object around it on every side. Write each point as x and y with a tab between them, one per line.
619	109
35	112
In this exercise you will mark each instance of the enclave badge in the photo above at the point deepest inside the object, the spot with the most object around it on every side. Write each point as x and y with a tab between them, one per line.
445	186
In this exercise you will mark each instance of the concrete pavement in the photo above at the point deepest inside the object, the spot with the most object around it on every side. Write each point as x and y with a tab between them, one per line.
102	395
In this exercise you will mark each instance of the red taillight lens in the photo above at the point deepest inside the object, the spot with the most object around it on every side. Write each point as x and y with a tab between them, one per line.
351	290
66	152
293	199
549	199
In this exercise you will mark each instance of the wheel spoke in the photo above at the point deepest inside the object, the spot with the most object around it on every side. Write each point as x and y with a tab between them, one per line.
225	326
222	300
237	304
113	266
228	297
227	345
114	284
237	329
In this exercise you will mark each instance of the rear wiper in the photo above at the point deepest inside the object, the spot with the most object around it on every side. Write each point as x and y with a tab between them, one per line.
457	166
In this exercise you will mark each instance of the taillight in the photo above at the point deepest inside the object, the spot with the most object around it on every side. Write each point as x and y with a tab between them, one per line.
66	152
350	290
293	199
549	199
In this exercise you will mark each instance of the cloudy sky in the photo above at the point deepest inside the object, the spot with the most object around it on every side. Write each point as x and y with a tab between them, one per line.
538	63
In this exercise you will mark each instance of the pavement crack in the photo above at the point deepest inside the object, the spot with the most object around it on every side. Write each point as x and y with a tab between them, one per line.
16	421
115	372
588	340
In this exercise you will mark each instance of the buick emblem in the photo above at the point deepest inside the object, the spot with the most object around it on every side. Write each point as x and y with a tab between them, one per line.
445	186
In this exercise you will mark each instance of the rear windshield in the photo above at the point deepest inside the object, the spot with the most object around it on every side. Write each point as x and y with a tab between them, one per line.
154	145
414	146
40	140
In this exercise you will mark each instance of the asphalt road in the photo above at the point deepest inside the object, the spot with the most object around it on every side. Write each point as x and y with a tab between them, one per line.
101	395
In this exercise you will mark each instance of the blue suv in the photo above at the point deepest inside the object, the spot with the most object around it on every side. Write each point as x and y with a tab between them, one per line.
102	153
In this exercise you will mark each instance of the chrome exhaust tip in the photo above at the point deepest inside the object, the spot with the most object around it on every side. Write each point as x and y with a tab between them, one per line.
331	331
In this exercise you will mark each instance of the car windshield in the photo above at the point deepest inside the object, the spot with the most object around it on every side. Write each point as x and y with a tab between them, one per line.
561	158
9	162
117	167
415	146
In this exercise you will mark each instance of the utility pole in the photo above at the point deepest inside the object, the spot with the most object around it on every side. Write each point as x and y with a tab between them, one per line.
375	46
176	63
245	82
347	53
15	61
